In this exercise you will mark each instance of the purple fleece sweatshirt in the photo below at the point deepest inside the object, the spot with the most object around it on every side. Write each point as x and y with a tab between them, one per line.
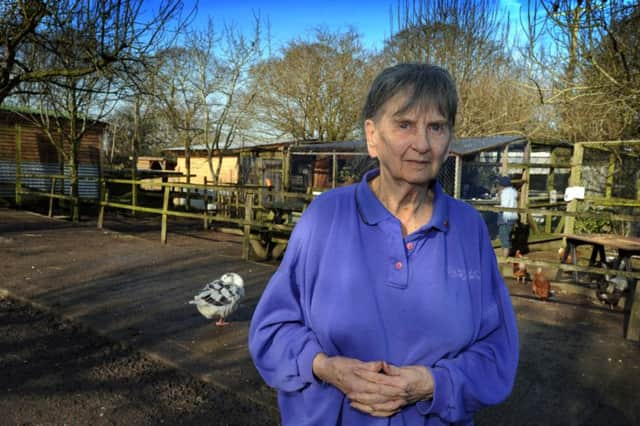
350	284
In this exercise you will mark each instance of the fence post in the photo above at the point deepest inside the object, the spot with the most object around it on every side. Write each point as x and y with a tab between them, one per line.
18	165
205	198
165	208
550	188
51	193
610	173
104	200
134	192
524	190
633	329
248	215
574	180
457	177
334	169
504	168
286	165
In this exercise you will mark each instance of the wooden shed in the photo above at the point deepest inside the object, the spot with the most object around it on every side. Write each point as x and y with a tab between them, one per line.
25	147
242	164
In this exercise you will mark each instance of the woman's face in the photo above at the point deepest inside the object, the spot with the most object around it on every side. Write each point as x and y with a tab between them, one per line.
411	145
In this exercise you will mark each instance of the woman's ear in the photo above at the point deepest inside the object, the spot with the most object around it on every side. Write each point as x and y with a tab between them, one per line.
370	135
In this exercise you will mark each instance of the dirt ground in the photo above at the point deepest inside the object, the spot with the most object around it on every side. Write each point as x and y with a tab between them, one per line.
55	368
55	372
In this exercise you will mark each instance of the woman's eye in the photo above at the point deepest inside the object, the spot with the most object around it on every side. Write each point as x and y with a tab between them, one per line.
436	128
404	125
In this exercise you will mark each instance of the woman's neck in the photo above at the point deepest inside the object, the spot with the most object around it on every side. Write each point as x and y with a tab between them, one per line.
411	204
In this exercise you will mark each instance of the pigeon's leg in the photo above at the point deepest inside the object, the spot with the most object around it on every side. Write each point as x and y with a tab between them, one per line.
221	322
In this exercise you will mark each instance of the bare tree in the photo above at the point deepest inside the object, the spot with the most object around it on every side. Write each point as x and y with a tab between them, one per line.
315	90
133	129
179	102
114	33
67	108
464	36
64	104
63	57
470	39
224	86
589	78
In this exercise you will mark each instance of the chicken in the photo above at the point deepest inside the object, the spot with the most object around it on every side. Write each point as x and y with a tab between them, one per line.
520	269
220	297
610	289
540	286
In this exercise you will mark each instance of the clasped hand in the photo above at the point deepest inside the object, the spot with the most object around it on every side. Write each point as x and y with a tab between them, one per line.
375	387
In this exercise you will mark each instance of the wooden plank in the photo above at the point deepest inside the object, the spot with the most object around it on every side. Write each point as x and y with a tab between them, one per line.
165	207
248	216
609	240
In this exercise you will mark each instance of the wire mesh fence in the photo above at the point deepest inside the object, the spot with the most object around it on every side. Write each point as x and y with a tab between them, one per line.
610	175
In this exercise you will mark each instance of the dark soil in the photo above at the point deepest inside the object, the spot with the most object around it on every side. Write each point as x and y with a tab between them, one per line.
55	372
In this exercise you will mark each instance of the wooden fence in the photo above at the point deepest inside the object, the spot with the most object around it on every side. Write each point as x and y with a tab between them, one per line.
247	210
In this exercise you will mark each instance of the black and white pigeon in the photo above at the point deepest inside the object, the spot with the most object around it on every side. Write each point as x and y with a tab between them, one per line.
220	297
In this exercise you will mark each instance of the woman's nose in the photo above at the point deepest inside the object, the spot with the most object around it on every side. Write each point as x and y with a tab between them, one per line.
422	141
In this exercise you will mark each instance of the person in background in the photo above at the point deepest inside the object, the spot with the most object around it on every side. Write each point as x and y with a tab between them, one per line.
388	307
507	219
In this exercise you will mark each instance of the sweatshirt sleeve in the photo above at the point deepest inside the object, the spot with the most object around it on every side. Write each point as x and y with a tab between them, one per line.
484	373
280	342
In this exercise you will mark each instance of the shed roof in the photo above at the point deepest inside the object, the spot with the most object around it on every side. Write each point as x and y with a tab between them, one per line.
461	146
13	113
344	146
466	146
235	146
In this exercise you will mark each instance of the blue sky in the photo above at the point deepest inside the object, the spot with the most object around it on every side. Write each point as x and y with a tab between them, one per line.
290	18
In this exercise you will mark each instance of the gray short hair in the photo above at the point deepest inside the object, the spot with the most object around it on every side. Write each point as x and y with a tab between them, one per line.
427	85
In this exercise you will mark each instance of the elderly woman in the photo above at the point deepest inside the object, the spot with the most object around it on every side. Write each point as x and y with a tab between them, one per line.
388	307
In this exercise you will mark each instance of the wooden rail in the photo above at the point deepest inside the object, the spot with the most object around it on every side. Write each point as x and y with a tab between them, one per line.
247	200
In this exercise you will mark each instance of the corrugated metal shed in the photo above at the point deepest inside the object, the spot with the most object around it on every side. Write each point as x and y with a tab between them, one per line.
38	156
88	189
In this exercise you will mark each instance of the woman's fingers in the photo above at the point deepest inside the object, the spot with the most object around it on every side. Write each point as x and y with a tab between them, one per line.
375	398
374	366
374	410
381	378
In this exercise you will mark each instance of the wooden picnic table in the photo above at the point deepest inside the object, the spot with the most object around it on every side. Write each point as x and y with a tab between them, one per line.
626	248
